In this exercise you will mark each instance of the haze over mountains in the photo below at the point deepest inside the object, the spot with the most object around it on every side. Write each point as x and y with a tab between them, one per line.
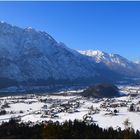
32	58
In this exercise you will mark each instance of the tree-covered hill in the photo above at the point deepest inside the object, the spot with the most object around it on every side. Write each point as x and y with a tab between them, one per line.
101	90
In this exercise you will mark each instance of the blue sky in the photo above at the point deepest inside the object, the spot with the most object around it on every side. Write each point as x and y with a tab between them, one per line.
113	27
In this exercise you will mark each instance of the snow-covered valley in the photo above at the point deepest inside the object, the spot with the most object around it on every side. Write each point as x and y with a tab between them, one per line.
32	61
106	112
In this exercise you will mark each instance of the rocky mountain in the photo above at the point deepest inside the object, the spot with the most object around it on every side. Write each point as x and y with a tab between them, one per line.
31	58
114	62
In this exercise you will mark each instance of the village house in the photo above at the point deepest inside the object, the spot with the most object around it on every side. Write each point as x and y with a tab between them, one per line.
134	107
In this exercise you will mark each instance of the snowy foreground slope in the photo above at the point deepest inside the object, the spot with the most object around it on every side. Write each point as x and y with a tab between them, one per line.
60	107
30	58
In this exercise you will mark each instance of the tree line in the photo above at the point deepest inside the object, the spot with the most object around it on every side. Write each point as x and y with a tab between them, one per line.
68	130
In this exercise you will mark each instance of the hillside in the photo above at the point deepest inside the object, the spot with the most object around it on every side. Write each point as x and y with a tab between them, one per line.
114	62
31	60
101	90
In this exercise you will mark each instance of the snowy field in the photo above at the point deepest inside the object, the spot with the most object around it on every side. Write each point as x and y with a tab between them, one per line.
59	107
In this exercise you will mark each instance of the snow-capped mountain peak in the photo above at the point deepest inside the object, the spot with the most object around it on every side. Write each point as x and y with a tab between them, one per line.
35	57
92	52
137	62
1	21
97	54
101	56
113	61
27	54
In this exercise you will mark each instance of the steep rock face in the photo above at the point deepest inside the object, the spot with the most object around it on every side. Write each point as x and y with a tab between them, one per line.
30	57
114	62
27	54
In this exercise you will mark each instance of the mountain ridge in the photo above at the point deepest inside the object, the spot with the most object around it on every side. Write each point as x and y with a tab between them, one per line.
31	58
114	62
